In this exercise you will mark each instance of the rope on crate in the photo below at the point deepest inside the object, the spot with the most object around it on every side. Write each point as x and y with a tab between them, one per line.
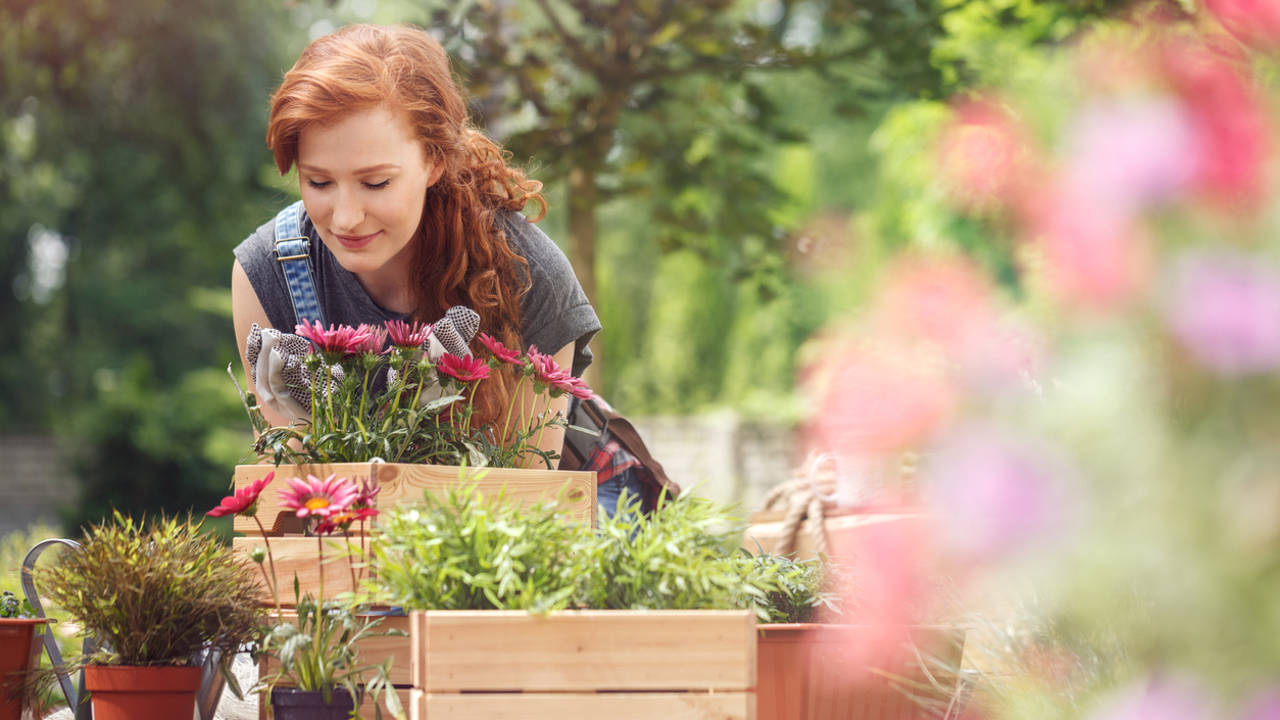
810	494
803	505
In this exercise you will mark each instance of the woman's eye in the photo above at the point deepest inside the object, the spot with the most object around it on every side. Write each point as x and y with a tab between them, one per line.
378	186
317	184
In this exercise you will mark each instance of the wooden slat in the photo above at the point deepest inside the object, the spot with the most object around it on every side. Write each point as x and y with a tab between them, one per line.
401	483
297	556
373	650
489	650
572	706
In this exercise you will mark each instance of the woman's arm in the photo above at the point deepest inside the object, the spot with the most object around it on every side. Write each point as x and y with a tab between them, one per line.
551	439
246	310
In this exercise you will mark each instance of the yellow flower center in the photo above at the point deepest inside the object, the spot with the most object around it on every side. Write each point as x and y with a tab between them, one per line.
317	503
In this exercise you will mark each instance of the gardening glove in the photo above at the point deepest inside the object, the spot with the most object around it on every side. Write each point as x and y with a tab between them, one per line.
275	363
453	332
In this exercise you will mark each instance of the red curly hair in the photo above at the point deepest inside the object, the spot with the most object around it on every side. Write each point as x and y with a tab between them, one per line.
460	252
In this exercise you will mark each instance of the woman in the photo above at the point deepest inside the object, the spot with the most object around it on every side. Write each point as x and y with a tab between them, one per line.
409	210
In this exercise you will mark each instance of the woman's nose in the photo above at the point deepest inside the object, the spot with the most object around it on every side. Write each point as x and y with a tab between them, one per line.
348	212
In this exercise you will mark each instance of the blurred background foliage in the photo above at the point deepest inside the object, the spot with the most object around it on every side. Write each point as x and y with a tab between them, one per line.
725	174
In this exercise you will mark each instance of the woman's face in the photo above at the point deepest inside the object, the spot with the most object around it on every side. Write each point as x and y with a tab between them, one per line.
364	181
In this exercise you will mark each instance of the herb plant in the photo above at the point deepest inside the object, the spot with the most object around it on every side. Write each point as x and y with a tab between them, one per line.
155	594
462	551
12	607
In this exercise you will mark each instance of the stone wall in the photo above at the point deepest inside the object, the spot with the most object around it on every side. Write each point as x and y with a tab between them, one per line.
722	456
33	482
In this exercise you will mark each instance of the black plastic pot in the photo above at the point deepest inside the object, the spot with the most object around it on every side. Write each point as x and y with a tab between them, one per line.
294	704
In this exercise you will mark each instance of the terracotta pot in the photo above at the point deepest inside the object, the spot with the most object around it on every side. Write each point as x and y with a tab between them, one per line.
294	704
122	692
821	672
19	651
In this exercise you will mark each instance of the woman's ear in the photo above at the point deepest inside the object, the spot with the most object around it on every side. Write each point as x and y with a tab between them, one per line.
436	171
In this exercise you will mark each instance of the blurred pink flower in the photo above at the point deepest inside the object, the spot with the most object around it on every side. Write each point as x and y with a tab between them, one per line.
983	155
879	401
1228	120
244	501
1224	309
1161	697
1128	152
943	300
1264	706
1256	22
1094	257
994	493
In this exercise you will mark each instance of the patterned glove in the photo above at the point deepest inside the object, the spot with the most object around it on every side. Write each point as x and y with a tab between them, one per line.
453	333
276	369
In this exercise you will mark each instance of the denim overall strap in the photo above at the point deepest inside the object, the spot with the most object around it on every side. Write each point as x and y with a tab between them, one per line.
292	249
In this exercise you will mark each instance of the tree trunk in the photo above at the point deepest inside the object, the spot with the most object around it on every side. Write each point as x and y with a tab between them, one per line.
582	250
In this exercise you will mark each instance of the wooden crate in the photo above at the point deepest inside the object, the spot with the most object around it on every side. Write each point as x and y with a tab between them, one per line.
687	664
296	556
400	482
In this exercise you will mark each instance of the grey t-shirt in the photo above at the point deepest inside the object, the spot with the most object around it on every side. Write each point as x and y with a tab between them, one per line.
554	312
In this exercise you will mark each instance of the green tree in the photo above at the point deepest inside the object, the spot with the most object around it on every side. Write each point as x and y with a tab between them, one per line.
132	132
666	100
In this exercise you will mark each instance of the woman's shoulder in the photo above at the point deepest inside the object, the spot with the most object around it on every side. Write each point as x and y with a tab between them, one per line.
526	239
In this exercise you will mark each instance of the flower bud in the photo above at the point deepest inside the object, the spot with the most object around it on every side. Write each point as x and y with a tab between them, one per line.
258	555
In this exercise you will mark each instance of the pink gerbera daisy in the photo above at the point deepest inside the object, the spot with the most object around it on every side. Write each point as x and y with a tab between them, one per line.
406	336
318	498
244	501
500	351
545	368
337	340
374	342
463	369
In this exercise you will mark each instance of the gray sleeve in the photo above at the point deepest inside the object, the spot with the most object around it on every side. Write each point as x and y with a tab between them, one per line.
555	312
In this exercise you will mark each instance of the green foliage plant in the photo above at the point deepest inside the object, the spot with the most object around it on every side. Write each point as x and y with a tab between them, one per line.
462	551
12	607
155	594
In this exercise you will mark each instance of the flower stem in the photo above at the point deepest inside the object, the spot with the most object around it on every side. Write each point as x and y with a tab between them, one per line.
272	584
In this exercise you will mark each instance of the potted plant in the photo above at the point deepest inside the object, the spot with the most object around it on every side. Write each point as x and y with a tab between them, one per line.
383	404
515	611
313	667
155	597
19	651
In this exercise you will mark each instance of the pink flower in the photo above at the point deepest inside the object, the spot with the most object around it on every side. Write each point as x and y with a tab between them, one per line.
1159	698
994	493
545	369
1229	123
577	387
1264	706
463	369
367	492
1130	152
1256	22
244	501
318	498
498	350
983	155
941	300
337	340
1225	311
406	336
875	400
342	521
1093	258
375	340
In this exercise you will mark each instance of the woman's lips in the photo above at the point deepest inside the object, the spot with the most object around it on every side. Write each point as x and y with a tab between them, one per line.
355	242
